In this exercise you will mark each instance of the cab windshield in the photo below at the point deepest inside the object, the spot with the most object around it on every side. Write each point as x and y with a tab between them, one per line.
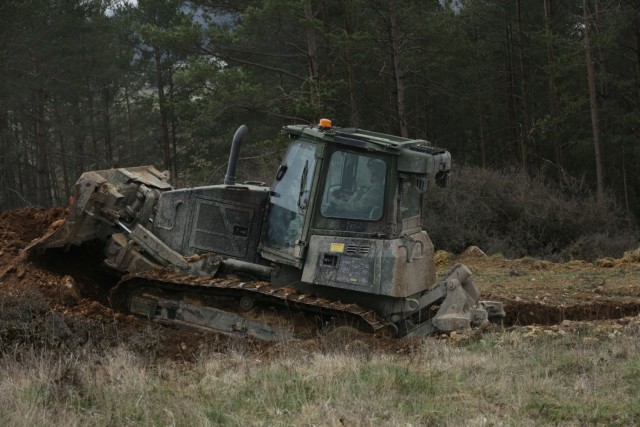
355	187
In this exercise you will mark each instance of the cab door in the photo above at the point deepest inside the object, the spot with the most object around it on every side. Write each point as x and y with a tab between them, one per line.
289	199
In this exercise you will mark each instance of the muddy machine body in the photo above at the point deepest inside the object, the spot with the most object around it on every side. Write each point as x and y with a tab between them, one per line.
337	237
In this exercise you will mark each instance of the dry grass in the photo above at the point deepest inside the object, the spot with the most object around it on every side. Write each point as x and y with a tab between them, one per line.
588	376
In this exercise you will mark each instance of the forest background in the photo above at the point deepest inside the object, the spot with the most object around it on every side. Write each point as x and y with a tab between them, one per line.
537	101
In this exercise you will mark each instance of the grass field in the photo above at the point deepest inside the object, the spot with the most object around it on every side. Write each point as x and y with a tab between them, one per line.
576	374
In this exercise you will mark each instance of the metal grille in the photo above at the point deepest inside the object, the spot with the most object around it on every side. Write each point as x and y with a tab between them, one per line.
352	249
210	219
215	225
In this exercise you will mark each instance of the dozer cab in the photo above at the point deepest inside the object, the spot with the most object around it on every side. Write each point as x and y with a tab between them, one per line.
336	240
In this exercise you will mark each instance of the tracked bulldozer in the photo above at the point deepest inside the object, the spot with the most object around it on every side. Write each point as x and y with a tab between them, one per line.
336	240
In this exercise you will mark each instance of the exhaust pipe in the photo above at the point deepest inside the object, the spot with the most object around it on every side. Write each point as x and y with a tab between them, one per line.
230	177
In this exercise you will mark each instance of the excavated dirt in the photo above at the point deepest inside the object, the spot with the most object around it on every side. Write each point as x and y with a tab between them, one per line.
60	299
545	293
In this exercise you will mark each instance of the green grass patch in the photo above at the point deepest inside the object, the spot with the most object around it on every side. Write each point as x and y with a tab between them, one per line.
509	378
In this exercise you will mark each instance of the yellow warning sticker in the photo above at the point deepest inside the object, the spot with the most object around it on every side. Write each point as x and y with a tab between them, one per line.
337	247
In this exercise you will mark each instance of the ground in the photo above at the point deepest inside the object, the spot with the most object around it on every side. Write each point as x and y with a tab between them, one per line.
61	298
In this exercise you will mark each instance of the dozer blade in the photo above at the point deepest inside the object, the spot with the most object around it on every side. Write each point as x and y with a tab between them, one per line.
104	201
57	236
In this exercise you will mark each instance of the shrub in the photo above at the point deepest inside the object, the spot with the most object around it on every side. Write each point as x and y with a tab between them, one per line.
518	215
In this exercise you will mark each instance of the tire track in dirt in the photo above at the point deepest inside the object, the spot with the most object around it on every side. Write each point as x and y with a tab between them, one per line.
520	313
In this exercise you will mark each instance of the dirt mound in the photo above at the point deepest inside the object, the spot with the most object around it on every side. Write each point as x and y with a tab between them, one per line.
61	298
22	226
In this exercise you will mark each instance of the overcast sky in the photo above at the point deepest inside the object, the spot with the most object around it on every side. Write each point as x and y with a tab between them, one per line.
116	3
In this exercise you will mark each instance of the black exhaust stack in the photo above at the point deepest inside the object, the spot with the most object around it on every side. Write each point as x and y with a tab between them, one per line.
230	177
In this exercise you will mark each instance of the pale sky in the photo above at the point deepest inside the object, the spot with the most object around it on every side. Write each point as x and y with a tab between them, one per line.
109	11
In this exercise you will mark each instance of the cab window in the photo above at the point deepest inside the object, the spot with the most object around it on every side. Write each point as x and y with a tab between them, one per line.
289	197
410	199
355	187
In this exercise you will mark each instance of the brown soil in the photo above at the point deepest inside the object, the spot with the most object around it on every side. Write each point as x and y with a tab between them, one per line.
61	298
545	293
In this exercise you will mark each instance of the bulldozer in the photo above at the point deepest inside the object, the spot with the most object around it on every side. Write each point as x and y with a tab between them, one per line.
336	241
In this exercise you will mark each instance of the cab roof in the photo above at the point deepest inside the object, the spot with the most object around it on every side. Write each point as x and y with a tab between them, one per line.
363	139
414	155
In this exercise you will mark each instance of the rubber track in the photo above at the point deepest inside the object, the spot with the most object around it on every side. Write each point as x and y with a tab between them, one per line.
260	290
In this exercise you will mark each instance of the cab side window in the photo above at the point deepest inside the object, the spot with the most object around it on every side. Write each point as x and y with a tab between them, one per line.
409	199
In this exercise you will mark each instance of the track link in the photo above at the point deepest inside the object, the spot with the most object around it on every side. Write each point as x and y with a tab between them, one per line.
168	298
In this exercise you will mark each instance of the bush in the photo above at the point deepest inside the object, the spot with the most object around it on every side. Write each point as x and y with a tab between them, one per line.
517	215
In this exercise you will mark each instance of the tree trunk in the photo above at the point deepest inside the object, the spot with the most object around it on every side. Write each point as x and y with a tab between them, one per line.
174	140
164	120
529	152
601	61
514	136
554	102
325	16
5	166
481	137
65	169
398	73
637	37
625	189
80	164
43	193
28	153
602	57
593	103
129	123
312	54
477	82
351	78
106	120
94	139
53	179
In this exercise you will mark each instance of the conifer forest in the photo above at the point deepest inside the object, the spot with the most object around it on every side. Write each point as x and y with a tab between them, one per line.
548	88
